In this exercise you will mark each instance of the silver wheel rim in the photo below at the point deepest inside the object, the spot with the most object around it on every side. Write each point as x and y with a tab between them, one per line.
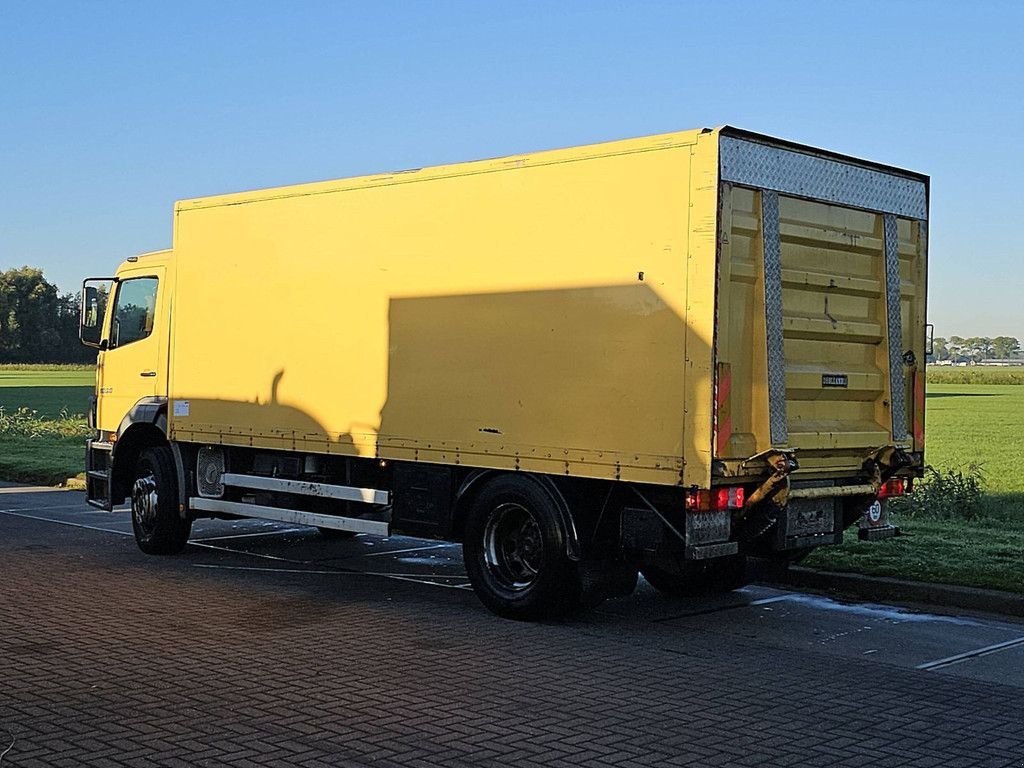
513	547
145	501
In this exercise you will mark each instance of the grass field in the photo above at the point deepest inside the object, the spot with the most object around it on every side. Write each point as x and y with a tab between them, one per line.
987	553
975	374
47	390
965	424
981	423
43	447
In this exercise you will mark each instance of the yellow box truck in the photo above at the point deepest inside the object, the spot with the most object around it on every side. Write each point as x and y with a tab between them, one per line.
661	355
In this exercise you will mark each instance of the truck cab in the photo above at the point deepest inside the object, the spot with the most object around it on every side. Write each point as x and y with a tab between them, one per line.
126	318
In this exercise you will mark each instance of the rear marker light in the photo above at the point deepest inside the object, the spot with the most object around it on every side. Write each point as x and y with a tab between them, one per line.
895	486
717	499
729	498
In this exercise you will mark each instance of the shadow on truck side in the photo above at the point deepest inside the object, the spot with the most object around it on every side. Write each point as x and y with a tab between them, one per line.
600	368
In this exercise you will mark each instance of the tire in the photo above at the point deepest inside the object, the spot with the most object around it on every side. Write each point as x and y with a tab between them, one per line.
695	578
159	528
514	548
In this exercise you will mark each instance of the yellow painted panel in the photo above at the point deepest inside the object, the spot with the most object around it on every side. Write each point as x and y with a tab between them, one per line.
527	312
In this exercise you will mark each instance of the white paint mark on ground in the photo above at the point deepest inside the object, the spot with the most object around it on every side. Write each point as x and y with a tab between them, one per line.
977	653
874	611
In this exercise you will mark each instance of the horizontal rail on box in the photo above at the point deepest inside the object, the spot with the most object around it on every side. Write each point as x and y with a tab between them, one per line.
305	488
833	490
353	524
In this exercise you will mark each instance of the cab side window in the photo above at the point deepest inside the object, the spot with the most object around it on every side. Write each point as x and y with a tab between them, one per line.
134	311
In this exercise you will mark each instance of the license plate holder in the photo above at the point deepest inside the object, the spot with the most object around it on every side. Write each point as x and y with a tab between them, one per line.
810	517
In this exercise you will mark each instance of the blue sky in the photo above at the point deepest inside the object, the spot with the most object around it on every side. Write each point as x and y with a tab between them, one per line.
111	111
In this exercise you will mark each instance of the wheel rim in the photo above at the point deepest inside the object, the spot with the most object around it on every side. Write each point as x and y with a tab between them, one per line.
513	547
145	501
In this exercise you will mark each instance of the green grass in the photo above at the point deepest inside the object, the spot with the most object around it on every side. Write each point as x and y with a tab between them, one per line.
47	390
983	424
988	554
32	367
965	424
975	374
45	460
42	422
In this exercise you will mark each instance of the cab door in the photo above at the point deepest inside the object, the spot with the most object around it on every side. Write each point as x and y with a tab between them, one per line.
133	364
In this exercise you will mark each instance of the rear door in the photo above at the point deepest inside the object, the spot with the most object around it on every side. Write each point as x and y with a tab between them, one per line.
821	306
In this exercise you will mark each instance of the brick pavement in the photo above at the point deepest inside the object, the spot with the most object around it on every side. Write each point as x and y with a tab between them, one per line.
109	658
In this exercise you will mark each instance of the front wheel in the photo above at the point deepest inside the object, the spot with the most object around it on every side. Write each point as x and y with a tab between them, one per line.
515	552
697	577
159	528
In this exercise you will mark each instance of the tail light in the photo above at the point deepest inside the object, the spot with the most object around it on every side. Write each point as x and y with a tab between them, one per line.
894	486
717	499
729	498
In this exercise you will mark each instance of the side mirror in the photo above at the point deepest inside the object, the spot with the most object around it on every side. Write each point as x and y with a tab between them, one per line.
95	292
930	339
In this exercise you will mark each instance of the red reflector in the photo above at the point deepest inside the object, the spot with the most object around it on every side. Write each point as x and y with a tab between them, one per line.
692	501
895	486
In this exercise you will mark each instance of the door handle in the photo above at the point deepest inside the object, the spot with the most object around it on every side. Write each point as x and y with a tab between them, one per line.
148	374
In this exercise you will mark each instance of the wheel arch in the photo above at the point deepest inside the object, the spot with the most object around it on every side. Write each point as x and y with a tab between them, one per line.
129	446
144	426
473	483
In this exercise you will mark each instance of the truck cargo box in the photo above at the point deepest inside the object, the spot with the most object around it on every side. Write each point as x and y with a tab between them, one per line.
658	310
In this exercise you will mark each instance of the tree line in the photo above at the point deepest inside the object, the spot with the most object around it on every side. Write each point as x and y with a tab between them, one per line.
38	324
957	349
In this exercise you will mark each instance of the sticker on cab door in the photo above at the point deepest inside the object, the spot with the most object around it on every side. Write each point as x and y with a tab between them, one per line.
834	380
181	408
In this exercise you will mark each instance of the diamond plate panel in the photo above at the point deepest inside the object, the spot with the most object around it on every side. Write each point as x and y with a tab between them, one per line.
819	178
894	318
773	317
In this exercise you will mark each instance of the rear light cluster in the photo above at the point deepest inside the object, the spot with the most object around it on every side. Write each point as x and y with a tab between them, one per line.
717	499
894	486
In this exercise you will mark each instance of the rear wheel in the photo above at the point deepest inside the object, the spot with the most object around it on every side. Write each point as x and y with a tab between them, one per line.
515	552
159	527
697	577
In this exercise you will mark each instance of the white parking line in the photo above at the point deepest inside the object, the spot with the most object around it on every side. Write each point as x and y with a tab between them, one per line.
34	489
64	522
397	576
403	551
959	658
249	535
50	507
425	579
